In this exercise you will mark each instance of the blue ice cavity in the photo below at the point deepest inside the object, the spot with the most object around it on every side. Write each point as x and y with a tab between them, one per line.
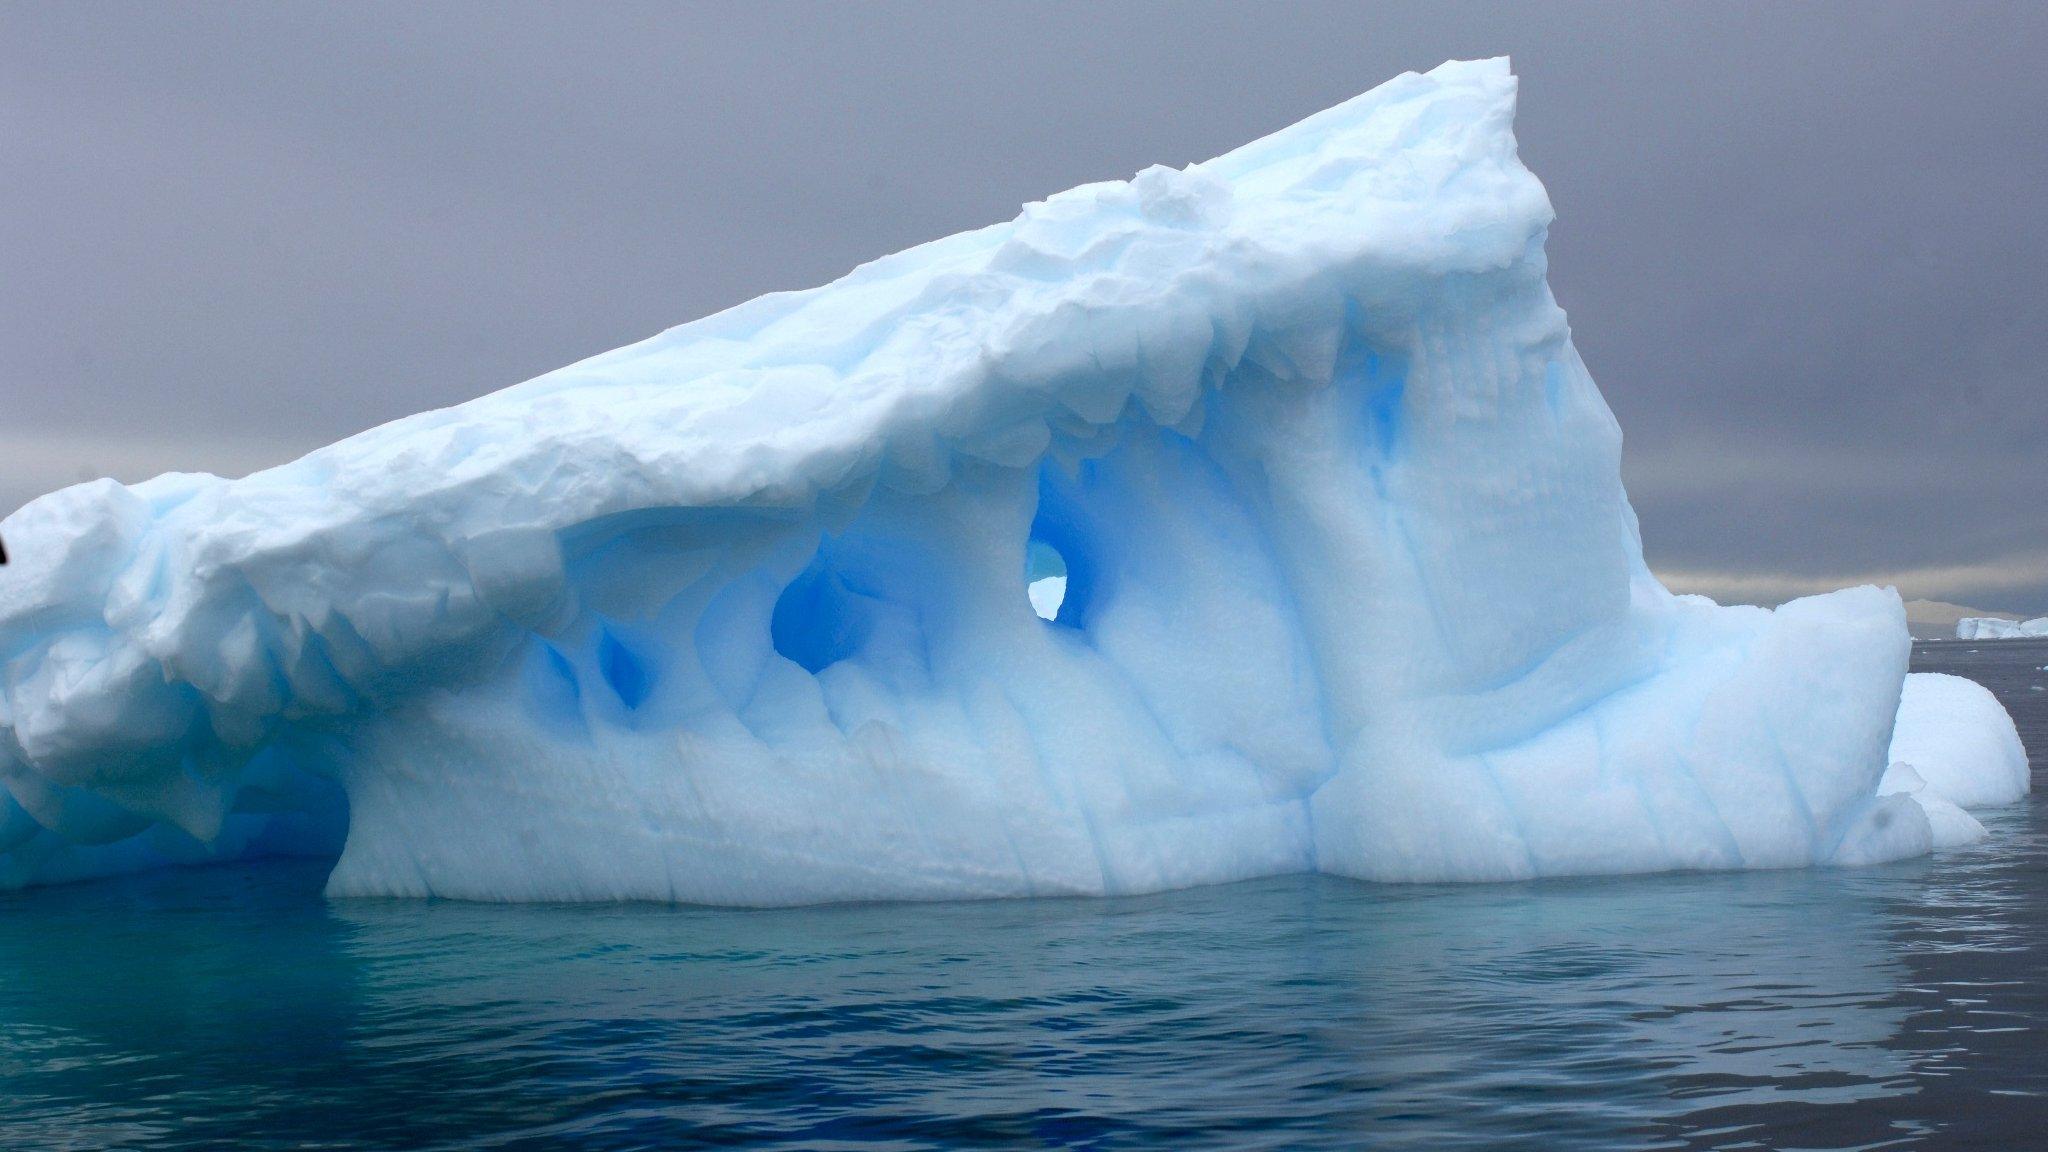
738	614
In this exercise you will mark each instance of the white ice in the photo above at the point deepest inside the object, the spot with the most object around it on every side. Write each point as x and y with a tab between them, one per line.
739	614
1999	628
1959	741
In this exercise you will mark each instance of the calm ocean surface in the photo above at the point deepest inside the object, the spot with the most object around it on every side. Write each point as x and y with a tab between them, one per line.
1895	1007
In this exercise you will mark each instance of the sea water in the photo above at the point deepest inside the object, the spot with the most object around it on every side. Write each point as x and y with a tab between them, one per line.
1897	1006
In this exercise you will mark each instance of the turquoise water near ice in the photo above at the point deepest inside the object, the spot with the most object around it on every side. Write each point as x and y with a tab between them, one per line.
1901	1006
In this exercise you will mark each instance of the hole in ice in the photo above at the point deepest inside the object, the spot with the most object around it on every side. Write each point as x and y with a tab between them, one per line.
1062	564
1045	579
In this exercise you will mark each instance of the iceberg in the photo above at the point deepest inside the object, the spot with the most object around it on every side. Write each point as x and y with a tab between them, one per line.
1999	628
762	610
1959	741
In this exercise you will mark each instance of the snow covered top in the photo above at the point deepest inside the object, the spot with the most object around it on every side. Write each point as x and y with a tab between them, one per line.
307	587
981	340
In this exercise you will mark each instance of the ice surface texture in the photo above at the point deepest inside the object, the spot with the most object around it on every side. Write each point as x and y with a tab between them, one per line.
1999	628
738	614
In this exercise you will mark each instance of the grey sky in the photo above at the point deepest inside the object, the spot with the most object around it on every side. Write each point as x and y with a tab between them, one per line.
1803	245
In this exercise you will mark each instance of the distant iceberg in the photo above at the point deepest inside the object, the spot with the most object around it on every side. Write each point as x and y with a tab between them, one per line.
1999	628
739	614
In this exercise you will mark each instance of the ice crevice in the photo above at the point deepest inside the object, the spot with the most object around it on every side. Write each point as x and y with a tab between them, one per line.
739	614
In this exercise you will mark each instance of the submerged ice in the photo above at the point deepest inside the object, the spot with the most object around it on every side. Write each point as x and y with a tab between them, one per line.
1243	519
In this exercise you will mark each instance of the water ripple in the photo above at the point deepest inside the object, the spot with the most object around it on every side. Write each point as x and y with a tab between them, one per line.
1892	1007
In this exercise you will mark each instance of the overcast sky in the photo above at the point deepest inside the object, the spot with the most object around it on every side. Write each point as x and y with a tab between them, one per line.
1804	247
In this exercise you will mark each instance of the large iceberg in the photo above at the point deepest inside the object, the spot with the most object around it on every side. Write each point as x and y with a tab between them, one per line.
739	614
1999	628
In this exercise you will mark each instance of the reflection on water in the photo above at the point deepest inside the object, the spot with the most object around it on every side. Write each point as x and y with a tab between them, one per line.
1884	1007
